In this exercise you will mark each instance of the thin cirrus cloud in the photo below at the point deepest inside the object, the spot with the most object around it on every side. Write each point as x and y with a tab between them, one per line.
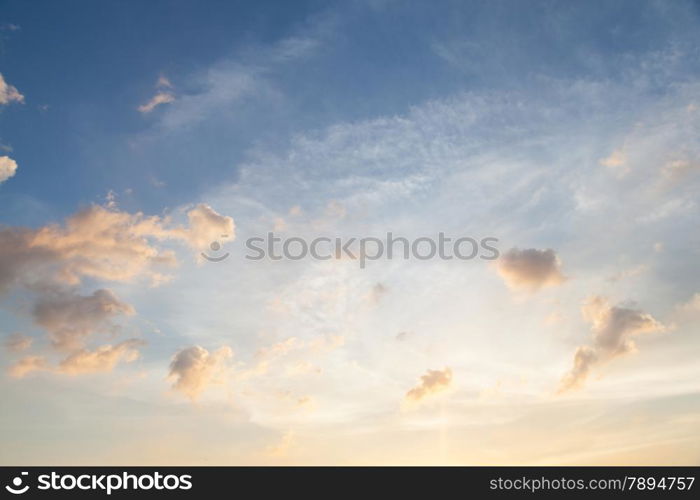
613	329
530	269
194	368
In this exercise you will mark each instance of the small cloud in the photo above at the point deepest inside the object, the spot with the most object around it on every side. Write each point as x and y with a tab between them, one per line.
692	305
18	342
530	269
155	101
28	365
82	361
8	168
102	359
628	273
433	382
677	170
403	336
9	93
195	368
163	83
617	162
612	329
70	318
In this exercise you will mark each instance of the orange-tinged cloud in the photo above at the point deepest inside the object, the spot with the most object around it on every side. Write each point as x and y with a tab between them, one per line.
70	318
530	269
612	329
18	342
195	368
432	382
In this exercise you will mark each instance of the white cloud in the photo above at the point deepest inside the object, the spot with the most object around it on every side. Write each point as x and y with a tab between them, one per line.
157	100
8	168
9	93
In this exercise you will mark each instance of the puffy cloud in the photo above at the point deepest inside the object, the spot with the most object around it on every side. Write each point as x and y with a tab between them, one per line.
18	342
103	243
102	359
155	101
8	167
584	359
100	243
69	318
530	268
206	226
432	382
9	93
194	369
612	329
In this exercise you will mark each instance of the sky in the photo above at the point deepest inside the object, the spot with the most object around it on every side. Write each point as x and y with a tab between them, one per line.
135	135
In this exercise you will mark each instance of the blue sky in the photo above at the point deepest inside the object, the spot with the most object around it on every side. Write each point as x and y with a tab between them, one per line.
140	131
90	62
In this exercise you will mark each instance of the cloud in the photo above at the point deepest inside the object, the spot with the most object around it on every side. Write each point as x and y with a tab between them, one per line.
102	243
8	168
102	359
612	329
18	342
163	82
432	382
98	243
27	365
155	101
80	362
206	226
692	305
194	369
9	93
70	318
530	269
